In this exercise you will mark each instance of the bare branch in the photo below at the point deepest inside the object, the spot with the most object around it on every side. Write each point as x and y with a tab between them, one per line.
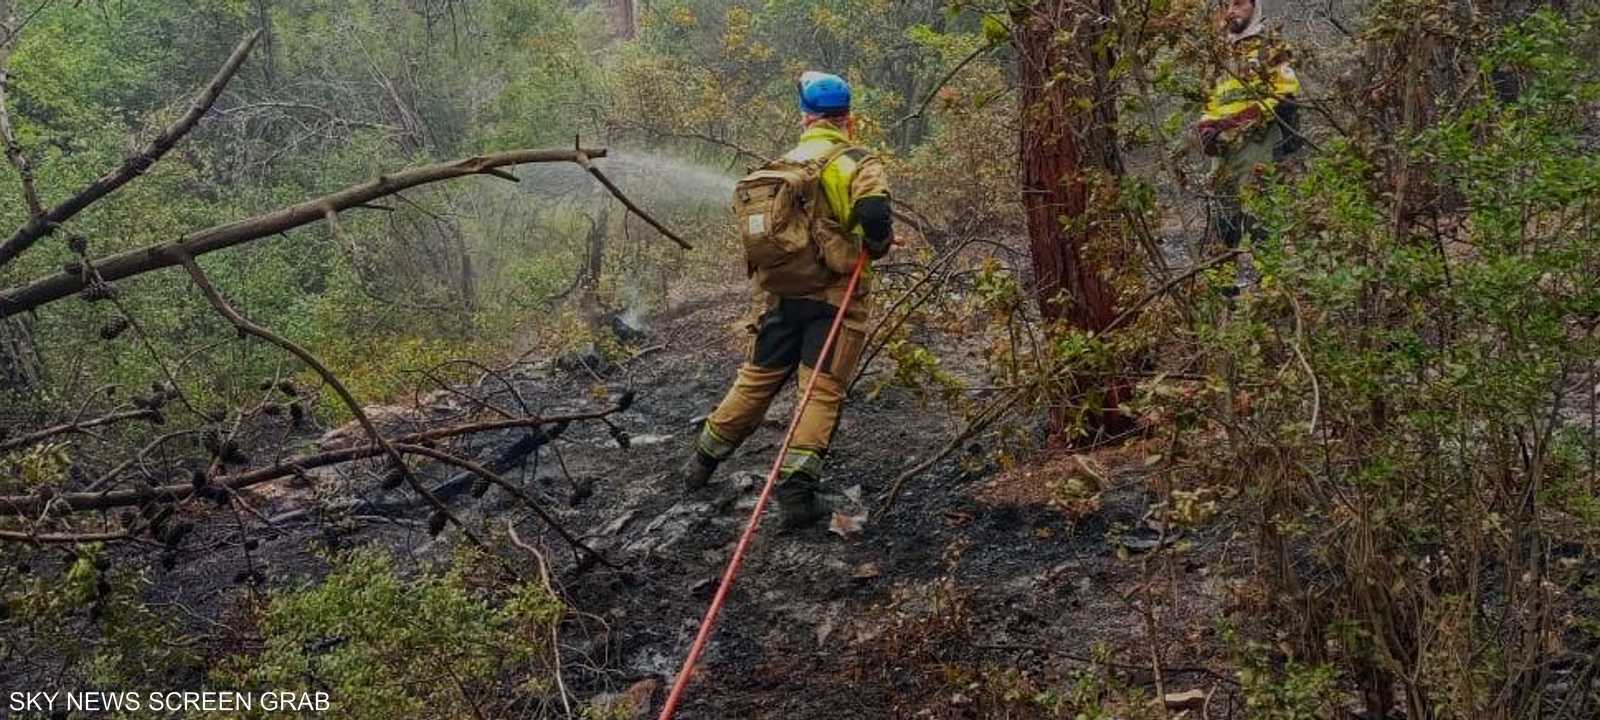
362	283
33	505
555	628
62	539
111	475
1133	310
250	328
333	117
583	160
44	223
928	99
977	424
76	426
154	257
503	175
492	477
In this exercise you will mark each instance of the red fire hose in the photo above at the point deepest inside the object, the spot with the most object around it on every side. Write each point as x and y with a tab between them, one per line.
706	625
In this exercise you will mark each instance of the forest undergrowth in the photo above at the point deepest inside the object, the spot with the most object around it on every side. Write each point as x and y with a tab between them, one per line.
344	343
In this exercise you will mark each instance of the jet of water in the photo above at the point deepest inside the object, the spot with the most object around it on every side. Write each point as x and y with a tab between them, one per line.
650	179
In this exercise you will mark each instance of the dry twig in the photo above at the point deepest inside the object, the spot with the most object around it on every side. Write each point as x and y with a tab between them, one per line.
76	426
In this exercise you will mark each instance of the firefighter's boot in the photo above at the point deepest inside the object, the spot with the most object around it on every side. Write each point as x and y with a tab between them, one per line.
799	503
695	471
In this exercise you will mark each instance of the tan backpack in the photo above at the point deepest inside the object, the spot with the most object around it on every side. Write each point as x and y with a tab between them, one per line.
776	207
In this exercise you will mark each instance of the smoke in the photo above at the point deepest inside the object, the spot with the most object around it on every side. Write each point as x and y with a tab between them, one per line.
633	306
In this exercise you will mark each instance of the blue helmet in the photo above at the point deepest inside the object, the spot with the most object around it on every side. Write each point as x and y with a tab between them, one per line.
824	93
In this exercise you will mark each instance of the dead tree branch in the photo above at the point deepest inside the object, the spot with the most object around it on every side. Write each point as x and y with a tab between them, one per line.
154	257
492	477
62	538
45	222
1133	310
928	99
250	328
976	425
76	426
34	505
583	161
555	627
111	475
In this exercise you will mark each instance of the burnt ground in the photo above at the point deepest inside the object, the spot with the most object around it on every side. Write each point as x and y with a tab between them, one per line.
975	593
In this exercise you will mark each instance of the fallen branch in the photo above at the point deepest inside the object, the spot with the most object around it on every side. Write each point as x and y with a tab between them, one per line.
62	538
111	475
977	424
515	491
44	223
250	328
135	262
33	505
77	426
555	627
1316	388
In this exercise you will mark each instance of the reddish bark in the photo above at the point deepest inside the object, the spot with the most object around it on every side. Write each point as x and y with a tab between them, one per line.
1062	141
1065	142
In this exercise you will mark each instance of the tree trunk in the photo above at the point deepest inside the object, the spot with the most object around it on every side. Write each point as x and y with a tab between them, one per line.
20	369
1066	137
624	18
1068	144
593	265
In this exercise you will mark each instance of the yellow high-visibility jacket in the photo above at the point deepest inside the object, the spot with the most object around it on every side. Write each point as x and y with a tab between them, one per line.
1252	85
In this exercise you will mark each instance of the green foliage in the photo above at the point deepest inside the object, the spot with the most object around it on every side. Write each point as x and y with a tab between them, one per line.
313	109
1275	690
1294	693
727	71
918	369
1393	398
613	711
43	465
386	645
1396	392
88	624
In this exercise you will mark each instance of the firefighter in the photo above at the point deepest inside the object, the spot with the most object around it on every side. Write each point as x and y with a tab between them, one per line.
1250	119
787	337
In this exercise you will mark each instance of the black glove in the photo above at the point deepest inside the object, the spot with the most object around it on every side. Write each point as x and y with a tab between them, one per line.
877	224
877	250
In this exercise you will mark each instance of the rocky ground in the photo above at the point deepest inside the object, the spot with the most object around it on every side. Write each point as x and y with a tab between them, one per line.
975	593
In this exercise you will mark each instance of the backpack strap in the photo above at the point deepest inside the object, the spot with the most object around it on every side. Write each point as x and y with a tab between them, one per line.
831	155
834	154
822	163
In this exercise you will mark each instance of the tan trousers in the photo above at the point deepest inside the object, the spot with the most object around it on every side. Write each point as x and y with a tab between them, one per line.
788	341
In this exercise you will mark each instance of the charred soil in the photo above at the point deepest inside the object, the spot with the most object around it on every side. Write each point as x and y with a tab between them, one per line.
979	590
